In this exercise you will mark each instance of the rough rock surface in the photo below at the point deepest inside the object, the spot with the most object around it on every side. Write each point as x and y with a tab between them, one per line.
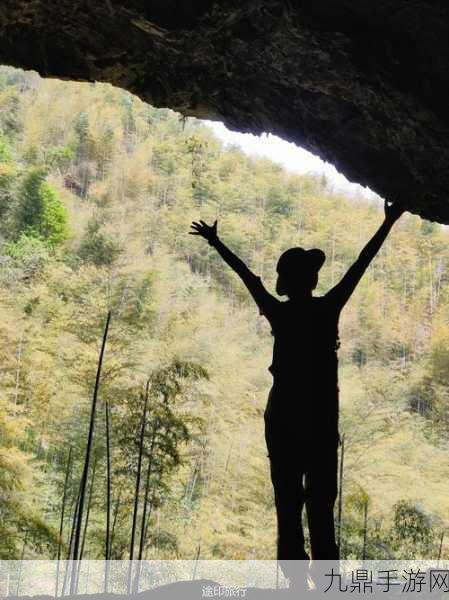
362	83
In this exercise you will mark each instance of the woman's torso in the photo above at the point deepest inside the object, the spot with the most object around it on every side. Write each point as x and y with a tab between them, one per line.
305	366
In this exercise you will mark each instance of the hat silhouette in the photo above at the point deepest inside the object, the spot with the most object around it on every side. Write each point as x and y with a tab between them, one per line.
298	259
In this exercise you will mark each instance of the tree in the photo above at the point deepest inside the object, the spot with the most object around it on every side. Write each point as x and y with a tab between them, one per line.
412	531
39	212
97	247
8	174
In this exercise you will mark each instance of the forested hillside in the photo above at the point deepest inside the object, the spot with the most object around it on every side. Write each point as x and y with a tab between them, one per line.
97	192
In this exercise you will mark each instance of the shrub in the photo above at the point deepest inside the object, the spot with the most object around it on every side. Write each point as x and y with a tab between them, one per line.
29	254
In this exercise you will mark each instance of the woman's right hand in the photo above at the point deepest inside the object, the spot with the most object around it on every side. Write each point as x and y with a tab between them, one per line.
208	232
393	210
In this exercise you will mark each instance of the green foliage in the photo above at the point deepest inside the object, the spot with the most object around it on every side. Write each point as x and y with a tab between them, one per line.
97	247
19	516
133	300
5	151
53	222
28	249
129	123
412	531
10	122
60	157
39	212
168	381
8	173
439	357
81	128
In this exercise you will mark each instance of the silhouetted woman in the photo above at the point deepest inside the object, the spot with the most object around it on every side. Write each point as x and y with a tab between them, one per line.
301	417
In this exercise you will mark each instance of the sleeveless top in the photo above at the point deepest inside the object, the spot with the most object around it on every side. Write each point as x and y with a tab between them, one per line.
305	366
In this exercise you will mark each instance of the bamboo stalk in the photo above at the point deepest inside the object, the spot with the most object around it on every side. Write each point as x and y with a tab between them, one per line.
195	565
90	436
365	529
143	526
114	520
68	566
440	550
108	495
86	523
146	497
137	489
22	556
89	504
61	525
147	525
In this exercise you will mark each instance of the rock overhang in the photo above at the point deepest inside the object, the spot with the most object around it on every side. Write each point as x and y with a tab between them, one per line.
365	85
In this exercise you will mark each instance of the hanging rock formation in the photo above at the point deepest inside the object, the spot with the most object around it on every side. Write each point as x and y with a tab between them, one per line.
362	83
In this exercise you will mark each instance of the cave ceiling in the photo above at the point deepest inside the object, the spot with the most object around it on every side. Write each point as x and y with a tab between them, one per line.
362	83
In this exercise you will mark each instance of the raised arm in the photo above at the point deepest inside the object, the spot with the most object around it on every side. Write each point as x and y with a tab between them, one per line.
341	293
265	301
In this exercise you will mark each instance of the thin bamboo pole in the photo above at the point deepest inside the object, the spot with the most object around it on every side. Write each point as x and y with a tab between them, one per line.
61	525
143	526
137	489
22	556
69	565
365	529
195	565
108	496
114	520
440	550
86	523
90	436
146	497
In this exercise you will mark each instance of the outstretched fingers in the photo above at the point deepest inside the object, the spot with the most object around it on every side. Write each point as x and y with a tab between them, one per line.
202	228
196	228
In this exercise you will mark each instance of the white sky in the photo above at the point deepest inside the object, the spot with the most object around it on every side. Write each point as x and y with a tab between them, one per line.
290	156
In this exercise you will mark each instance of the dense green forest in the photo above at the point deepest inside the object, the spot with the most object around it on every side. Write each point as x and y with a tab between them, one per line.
97	192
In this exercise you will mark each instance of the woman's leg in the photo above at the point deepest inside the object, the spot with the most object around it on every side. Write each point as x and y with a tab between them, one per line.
286	476
321	493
